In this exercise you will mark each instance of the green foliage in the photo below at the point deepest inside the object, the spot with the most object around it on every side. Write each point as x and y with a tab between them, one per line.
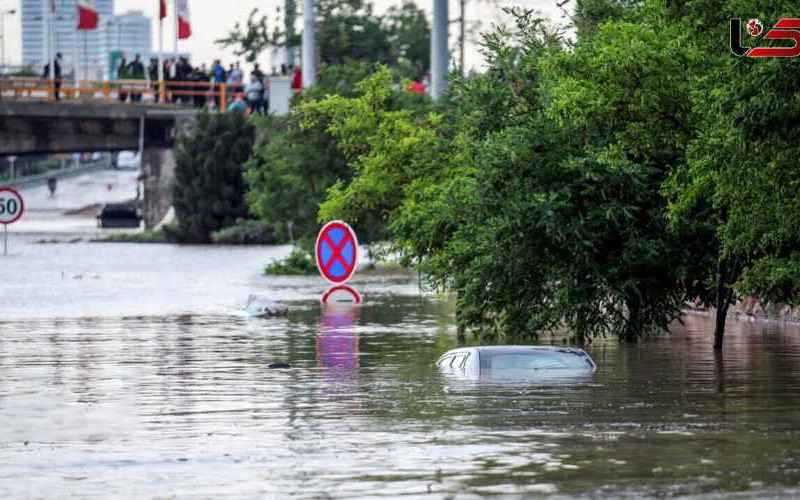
590	14
250	232
298	263
595	185
253	38
298	158
540	202
149	236
290	170
209	186
347	30
739	182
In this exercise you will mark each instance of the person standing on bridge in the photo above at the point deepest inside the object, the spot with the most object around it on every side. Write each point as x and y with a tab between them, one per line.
255	94
136	72
152	74
56	75
122	75
218	77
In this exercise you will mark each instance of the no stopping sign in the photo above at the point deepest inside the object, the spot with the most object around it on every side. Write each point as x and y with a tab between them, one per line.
337	252
11	206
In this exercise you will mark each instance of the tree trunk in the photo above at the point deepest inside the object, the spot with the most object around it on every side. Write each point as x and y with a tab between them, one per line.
633	327
726	271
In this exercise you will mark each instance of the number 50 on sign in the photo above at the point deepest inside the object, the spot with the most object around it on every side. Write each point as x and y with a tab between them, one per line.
11	209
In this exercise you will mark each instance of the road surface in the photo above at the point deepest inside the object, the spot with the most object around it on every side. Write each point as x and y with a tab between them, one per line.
46	214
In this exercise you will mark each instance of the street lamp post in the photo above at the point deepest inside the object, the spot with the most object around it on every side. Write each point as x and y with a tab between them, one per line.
3	14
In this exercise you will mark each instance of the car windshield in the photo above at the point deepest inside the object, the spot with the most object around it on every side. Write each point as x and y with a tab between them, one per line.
532	360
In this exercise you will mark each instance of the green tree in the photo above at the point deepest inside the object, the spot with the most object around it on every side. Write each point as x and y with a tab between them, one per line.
347	30
740	178
298	157
253	38
542	207
209	187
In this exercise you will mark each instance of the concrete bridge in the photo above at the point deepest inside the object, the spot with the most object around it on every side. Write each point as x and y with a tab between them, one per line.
74	127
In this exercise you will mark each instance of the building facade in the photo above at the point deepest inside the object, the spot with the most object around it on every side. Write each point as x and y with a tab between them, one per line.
129	34
86	54
82	51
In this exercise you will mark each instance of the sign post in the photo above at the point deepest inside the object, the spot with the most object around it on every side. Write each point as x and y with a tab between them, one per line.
337	260
12	207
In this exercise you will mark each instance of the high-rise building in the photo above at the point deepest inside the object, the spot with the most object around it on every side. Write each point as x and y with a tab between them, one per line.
83	47
130	34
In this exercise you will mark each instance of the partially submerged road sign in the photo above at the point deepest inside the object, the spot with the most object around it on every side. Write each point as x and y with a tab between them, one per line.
341	294
337	252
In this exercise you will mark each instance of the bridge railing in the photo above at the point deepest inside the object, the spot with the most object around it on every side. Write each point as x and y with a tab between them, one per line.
197	93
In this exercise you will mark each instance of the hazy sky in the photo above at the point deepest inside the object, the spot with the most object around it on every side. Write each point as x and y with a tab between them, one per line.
211	19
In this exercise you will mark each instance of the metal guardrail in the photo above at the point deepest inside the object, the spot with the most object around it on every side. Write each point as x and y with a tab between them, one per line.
32	180
142	91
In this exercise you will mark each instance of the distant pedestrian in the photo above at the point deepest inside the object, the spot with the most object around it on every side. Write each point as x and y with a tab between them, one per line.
218	77
152	74
122	74
56	75
52	184
297	80
238	105
136	72
417	87
255	94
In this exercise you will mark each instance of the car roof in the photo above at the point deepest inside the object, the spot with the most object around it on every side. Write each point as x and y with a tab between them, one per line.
512	349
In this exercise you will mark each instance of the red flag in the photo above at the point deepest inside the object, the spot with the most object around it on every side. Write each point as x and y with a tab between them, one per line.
87	15
163	10
184	24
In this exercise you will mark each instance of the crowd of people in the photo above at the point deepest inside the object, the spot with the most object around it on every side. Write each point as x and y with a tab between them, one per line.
200	86
193	85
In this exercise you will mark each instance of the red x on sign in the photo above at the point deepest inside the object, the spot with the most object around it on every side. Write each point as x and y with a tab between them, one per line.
337	252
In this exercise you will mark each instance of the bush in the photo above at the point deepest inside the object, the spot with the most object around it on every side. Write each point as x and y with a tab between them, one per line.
209	186
299	262
154	236
250	232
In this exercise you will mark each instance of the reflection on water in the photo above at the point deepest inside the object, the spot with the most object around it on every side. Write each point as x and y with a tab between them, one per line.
337	342
184	404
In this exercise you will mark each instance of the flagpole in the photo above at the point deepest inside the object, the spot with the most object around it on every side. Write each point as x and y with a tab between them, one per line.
177	28
76	54
161	90
48	59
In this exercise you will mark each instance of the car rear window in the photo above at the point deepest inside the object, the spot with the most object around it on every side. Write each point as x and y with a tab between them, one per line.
533	360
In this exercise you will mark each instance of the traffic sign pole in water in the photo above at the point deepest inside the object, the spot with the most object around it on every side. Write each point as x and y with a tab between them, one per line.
5	240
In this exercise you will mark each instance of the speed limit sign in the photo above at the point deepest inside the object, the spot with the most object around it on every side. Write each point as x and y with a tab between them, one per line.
11	206
11	209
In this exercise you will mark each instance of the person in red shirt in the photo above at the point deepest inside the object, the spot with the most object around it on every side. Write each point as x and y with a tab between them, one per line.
297	79
416	87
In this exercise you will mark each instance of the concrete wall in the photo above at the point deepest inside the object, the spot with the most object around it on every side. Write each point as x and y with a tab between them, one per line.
280	95
158	178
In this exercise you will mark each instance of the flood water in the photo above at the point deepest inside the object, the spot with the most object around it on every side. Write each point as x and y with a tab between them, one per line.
130	371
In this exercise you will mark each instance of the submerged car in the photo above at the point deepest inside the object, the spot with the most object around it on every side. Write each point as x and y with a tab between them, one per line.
516	362
118	216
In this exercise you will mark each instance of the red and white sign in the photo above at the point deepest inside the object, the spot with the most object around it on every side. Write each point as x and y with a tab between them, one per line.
87	15
337	252
162	10
11	206
341	294
184	23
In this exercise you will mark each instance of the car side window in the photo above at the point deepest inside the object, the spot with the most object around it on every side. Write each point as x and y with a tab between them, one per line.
464	361
455	361
445	361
